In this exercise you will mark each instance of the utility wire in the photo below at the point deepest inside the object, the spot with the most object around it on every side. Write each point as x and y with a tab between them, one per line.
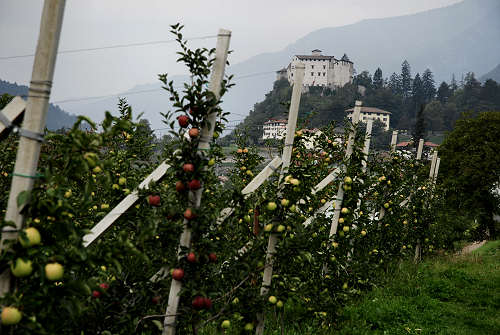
146	91
112	47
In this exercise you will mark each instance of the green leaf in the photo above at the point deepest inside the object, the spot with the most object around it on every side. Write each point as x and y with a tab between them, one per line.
23	198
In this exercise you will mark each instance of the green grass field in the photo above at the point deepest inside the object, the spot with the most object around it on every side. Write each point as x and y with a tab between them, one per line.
445	295
455	295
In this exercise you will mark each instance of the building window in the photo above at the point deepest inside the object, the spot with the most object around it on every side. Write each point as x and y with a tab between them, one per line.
319	73
324	74
312	73
385	119
324	66
312	66
292	74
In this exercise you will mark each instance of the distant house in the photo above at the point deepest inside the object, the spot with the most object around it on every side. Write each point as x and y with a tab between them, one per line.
320	70
372	113
274	129
410	143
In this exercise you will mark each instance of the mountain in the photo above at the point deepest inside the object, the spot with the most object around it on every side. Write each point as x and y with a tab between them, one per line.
56	117
493	74
456	39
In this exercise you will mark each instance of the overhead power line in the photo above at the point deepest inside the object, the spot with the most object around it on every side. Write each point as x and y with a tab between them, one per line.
116	46
147	91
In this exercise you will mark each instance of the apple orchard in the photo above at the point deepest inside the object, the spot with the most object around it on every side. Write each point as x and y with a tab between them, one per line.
120	283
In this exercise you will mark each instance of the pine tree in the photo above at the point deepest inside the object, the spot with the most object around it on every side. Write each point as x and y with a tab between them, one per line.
419	130
453	84
428	86
378	80
417	91
395	83
406	79
443	92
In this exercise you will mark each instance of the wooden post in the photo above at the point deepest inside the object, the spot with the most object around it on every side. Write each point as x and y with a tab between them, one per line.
340	192
195	196
394	140
33	126
286	156
11	112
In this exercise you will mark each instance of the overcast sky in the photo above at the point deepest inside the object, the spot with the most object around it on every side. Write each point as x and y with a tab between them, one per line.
257	27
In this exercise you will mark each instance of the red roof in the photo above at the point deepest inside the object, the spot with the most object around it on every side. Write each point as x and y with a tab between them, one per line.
430	144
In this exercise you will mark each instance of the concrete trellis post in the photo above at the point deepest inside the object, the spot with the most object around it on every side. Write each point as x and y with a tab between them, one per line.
34	120
394	140
434	160
366	148
286	156
420	149
195	197
11	112
349	149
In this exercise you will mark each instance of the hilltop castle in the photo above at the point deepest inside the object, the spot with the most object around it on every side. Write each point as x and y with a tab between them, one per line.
320	70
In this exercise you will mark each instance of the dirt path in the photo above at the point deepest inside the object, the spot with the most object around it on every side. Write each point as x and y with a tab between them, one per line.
472	247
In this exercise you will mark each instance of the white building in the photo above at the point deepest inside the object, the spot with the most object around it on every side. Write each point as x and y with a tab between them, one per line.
326	71
274	129
372	113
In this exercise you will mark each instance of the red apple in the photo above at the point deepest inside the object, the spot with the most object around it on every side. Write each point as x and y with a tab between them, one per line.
155	300
191	257
96	294
183	121
154	200
104	286
188	167
194	184
212	257
193	132
207	302
198	303
178	274
188	214
179	186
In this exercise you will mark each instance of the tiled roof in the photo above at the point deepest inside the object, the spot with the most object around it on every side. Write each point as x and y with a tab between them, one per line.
315	57
369	110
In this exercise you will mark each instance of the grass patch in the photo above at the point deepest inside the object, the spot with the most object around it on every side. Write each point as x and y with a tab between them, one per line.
446	295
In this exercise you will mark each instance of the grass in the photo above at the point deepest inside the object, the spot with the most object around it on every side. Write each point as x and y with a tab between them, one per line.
457	295
451	295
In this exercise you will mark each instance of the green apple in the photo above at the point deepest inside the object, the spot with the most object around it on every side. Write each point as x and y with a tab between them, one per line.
122	180
323	201
225	324
271	206
21	268
54	271
348	180
236	301
11	316
363	232
248	327
386	205
285	202
280	228
341	220
279	304
247	218
335	244
344	210
33	237
293	208
268	227
272	299
345	286
345	229
294	182
211	162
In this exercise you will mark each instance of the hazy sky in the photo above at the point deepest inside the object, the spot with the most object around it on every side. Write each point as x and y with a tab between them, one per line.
257	27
